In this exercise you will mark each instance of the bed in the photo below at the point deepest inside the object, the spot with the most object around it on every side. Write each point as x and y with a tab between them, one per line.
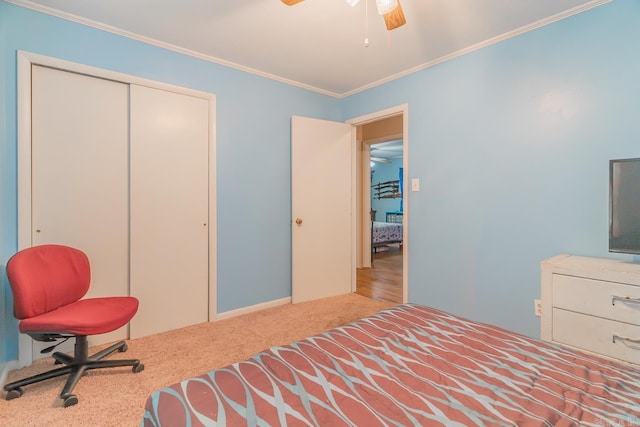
407	365
384	233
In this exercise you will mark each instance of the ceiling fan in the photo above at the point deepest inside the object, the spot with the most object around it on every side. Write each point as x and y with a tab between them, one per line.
389	9
386	152
380	160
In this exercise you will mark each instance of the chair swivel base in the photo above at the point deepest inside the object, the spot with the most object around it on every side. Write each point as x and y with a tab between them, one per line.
75	367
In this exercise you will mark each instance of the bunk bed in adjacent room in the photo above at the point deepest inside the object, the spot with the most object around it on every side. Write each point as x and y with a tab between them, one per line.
390	231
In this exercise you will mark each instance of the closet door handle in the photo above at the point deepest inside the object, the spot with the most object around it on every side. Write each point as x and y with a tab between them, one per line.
298	221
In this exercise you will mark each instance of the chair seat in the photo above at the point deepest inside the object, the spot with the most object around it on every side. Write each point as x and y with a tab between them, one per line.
92	316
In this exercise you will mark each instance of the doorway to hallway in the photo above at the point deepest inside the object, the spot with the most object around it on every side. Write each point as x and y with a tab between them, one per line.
381	168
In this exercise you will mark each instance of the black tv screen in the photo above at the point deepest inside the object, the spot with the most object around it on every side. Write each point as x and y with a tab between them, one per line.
624	206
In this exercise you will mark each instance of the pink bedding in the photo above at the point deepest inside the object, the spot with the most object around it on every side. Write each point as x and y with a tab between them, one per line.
408	365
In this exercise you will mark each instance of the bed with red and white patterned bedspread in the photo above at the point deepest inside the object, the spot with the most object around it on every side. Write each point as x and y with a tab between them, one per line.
407	365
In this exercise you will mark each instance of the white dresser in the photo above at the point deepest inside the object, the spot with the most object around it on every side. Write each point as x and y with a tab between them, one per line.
592	304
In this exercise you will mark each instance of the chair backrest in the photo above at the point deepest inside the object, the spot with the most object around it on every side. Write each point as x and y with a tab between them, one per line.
46	277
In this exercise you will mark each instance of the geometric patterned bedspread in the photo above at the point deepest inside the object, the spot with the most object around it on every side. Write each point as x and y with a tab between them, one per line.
407	365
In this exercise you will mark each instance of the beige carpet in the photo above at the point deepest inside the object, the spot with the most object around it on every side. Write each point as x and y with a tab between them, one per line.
116	397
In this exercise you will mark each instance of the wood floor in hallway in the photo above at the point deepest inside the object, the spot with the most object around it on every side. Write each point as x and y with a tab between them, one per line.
383	281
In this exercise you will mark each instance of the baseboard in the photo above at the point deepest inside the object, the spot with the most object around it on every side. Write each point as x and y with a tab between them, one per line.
250	309
8	367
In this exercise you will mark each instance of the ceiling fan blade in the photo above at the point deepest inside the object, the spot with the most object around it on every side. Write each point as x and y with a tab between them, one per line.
395	18
291	2
380	160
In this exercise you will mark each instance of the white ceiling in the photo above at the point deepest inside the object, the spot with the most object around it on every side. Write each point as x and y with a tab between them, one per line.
318	44
391	150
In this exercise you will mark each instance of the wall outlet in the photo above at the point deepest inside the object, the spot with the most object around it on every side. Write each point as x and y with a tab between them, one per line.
537	304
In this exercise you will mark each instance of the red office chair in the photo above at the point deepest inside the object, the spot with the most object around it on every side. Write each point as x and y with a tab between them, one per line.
48	283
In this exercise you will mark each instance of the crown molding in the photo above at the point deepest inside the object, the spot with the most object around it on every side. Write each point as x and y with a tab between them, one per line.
154	42
502	37
148	40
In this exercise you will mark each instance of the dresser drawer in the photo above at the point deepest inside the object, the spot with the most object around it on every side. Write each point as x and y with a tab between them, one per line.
596	335
594	297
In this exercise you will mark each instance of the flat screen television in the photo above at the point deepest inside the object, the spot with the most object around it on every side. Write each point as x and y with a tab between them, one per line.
624	206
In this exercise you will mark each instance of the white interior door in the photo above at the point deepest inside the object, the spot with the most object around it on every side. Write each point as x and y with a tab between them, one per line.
321	157
169	209
79	160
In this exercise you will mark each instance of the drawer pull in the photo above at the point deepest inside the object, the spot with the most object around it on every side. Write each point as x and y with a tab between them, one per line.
624	299
625	339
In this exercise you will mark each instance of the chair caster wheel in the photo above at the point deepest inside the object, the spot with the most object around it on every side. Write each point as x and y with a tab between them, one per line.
70	400
124	348
14	393
138	368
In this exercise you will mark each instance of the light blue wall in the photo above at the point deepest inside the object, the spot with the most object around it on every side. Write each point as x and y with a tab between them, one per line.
384	172
253	150
7	323
511	144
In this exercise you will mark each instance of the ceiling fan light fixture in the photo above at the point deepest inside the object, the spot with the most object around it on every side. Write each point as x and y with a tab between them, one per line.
352	3
386	6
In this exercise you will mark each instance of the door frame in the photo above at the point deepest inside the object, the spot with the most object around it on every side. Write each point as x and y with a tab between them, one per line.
362	170
25	60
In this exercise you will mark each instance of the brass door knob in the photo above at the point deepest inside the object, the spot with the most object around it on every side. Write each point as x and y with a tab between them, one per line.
298	221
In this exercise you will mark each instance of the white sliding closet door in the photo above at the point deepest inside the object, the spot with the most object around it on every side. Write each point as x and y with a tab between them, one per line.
79	161
169	209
